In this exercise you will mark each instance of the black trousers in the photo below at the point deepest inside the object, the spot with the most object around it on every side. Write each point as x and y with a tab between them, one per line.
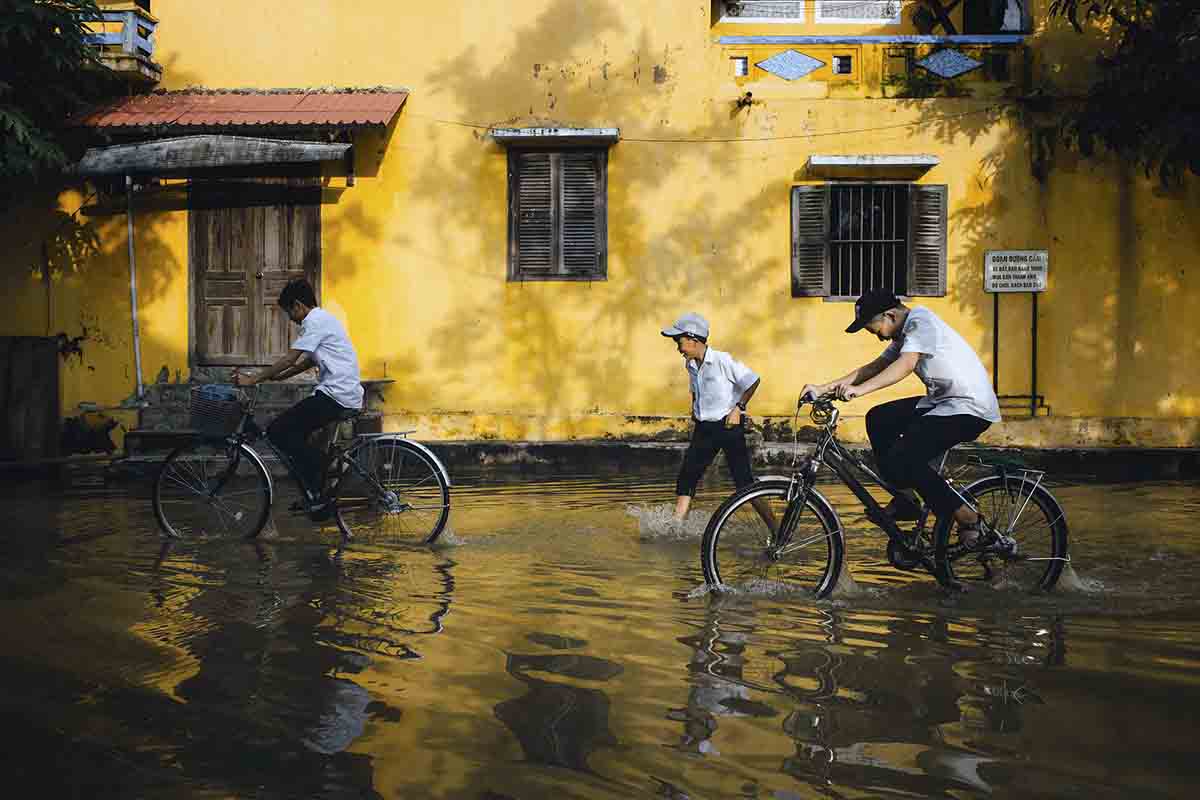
289	433
708	439
905	439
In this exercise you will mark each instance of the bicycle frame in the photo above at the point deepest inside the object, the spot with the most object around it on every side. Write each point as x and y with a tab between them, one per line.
844	463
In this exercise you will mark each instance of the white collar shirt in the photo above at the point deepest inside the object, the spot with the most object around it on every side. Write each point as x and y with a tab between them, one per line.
323	337
718	382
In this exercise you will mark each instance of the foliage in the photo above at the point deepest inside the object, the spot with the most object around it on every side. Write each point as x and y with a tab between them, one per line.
1144	106
48	73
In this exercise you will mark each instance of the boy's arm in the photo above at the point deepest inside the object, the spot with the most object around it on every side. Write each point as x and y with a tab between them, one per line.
304	365
287	362
895	372
852	378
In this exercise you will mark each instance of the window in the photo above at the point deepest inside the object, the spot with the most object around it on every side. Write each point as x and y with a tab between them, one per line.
557	219
843	65
762	10
850	237
867	12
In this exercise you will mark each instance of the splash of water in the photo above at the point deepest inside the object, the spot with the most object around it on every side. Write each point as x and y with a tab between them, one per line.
658	523
1070	581
846	586
448	539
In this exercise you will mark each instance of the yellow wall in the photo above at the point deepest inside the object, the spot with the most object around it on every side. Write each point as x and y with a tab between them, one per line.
414	253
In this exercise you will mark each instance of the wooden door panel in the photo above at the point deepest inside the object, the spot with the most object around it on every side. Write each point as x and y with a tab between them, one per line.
241	258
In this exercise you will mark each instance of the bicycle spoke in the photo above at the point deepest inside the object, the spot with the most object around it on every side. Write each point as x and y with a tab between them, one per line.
207	490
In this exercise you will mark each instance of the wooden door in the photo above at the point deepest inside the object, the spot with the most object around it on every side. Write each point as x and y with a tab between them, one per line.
247	241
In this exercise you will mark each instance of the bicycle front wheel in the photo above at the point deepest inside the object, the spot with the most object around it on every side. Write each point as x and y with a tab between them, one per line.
1032	527
212	489
745	549
392	490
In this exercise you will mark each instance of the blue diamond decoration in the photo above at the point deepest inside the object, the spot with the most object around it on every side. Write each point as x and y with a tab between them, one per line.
790	65
948	63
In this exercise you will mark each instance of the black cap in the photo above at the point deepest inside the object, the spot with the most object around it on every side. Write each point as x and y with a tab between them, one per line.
871	303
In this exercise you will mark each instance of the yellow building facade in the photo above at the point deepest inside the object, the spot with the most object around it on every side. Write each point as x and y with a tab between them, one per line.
697	214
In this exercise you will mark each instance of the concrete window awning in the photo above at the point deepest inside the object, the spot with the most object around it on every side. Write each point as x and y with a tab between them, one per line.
556	137
871	166
191	155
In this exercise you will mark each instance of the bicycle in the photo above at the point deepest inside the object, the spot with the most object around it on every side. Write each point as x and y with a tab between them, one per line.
1024	526
379	483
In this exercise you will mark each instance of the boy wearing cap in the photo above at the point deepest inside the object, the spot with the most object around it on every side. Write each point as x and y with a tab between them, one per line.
958	406
721	388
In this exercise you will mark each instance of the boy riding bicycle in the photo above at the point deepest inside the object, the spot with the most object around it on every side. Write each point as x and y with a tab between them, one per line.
322	343
958	406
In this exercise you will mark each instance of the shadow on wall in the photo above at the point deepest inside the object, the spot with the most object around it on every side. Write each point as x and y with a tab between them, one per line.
66	274
1117	243
580	337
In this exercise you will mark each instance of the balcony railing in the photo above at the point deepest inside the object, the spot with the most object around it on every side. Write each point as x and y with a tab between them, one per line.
125	38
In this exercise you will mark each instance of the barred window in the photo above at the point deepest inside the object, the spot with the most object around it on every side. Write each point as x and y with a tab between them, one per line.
763	10
850	237
557	214
874	12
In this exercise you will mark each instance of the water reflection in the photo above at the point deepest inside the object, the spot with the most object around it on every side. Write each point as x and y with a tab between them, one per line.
559	724
557	651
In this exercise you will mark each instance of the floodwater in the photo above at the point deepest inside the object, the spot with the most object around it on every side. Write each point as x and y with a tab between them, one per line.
563	646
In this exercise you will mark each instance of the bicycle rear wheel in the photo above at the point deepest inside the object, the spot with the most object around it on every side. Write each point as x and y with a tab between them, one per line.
1033	530
392	490
741	551
212	489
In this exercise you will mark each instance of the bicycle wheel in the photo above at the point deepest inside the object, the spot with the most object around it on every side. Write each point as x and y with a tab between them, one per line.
1033	531
391	489
740	550
212	489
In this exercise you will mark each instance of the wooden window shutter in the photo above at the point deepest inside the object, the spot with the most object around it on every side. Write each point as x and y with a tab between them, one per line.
582	212
810	241
531	215
927	241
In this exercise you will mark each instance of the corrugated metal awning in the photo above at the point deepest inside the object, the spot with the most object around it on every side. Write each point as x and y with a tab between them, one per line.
234	108
186	155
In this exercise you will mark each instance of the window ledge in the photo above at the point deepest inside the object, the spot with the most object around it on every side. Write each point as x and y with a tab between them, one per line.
556	137
870	165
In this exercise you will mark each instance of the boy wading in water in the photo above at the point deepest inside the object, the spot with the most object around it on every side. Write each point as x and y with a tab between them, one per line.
721	389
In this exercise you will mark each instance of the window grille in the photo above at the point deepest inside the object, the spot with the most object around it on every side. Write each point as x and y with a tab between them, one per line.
868	239
758	10
886	12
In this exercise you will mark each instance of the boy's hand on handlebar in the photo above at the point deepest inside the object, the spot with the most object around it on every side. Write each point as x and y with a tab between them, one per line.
810	392
847	393
242	380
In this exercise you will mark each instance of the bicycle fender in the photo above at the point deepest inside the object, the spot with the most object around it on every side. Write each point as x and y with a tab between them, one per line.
417	445
250	452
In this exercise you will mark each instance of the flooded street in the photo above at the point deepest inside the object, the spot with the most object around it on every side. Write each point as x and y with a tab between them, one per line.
562	646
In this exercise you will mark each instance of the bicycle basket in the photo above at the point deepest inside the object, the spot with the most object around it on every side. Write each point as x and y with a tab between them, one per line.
215	410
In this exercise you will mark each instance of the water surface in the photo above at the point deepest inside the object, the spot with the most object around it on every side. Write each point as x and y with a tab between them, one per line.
564	647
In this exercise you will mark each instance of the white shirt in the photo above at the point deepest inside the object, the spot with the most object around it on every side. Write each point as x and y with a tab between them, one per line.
954	377
325	339
717	383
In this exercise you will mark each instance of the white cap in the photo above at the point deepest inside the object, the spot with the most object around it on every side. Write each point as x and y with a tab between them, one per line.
689	324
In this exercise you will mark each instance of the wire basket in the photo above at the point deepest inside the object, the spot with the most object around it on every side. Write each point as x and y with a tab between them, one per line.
216	410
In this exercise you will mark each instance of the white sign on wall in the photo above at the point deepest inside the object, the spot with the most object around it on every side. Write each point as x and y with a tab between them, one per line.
1015	270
